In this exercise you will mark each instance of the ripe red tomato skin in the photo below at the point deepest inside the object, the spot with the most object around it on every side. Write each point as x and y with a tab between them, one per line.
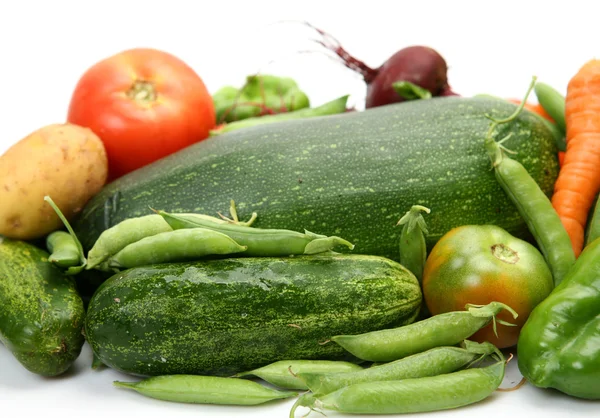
138	132
462	268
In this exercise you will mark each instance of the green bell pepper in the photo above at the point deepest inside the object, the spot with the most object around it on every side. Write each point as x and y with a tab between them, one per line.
559	345
261	95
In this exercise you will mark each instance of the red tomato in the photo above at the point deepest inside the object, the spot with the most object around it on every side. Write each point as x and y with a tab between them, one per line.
144	104
479	264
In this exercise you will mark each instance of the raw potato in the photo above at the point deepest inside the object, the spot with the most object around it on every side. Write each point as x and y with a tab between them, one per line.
64	161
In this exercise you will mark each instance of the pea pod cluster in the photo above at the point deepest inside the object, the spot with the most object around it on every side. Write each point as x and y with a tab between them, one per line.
420	394
166	237
420	358
263	242
437	360
149	239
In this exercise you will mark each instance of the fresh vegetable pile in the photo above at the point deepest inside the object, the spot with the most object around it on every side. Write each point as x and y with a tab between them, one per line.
246	247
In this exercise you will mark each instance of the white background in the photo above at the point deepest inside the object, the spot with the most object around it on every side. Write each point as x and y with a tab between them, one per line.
490	48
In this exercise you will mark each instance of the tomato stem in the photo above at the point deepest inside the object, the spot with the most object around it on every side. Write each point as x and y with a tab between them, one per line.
505	253
142	91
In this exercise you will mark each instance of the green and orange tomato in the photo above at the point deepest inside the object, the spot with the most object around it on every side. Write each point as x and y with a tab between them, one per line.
478	264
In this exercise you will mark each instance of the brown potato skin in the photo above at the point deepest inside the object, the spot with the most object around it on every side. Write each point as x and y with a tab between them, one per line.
64	161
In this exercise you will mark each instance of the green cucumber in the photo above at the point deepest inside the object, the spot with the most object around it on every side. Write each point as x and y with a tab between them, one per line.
348	175
41	313
221	317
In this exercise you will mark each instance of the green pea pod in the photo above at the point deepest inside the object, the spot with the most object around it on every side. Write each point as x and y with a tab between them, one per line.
531	202
330	108
432	362
558	345
205	390
263	242
174	246
449	328
260	95
413	248
128	231
63	249
422	394
284	373
553	103
73	268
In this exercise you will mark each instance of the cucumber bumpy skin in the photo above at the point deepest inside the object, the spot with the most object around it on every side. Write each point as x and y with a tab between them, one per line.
41	313
221	317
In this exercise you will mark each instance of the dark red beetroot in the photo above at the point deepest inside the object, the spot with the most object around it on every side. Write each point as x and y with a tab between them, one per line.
420	65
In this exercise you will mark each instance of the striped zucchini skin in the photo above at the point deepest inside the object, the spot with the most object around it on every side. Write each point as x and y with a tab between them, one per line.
352	175
221	317
41	313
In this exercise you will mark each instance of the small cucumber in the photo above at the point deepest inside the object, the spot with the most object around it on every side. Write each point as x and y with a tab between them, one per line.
41	313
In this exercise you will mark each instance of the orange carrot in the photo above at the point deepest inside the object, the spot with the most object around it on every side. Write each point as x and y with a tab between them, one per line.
579	177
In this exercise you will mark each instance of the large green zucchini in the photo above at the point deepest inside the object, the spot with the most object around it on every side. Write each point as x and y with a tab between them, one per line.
226	316
352	175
